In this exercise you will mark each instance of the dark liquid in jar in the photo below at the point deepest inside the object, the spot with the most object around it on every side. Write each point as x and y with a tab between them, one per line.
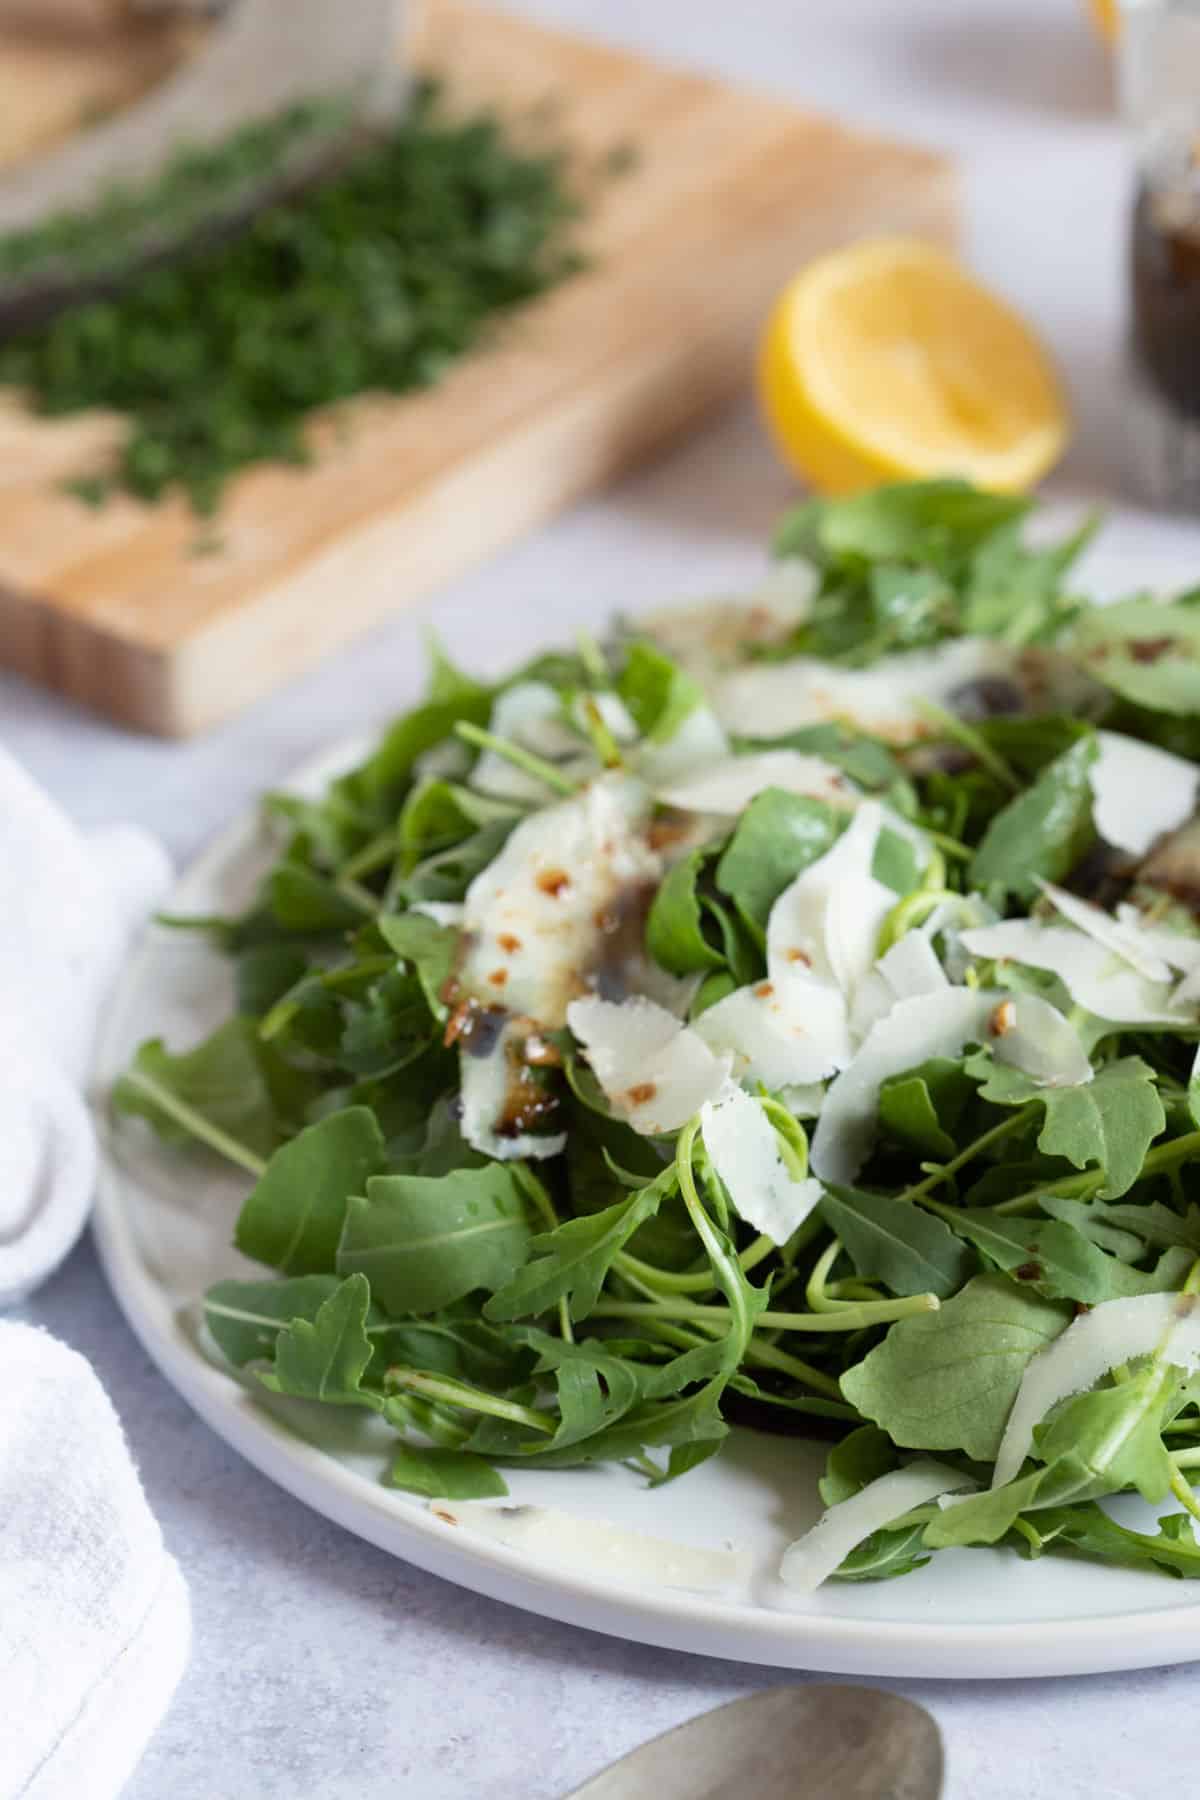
1166	294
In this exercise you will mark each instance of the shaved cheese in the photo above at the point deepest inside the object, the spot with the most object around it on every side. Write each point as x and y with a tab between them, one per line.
1114	1332
820	1552
769	699
744	1149
1139	792
1103	983
826	925
534	918
1021	1029
714	634
656	1072
616	1551
1125	938
822	932
1031	1035
1179	949
729	785
486	1083
777	1045
905	972
699	740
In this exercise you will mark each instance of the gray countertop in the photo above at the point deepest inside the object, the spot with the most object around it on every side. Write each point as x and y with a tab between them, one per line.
322	1667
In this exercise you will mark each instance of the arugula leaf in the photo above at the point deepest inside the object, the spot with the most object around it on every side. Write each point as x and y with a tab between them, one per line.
675	923
245	1317
264	974
657	692
303	901
947	1380
777	836
1061	1263
922	1108
387	1030
230	1090
1107	1123
293	1219
426	1241
593	1389
1094	1444
448	873
1016	593
894	1242
325	1358
1089	1531
445	1474
1043	832
933	522
1147	652
378	784
1152	1223
431	951
572	1261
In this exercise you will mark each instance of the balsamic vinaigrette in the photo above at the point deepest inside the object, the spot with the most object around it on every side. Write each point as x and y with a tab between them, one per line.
1166	288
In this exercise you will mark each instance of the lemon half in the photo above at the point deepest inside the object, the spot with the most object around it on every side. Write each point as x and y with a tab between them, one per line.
885	361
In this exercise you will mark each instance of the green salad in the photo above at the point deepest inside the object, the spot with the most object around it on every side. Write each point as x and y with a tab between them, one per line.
783	1013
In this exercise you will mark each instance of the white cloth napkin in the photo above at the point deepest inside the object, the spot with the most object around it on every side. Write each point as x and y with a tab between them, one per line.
69	901
94	1618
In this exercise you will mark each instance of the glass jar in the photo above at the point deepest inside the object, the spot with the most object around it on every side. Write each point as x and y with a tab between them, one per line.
1160	98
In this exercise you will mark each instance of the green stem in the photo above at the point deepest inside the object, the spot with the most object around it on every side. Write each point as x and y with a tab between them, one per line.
1162	1157
945	1170
1186	1459
535	1191
592	658
847	1318
458	1393
603	742
666	1281
373	855
1182	1490
537	766
358	896
759	1355
910	912
196	1124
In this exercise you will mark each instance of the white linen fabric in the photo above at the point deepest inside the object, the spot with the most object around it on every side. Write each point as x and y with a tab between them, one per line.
69	902
94	1616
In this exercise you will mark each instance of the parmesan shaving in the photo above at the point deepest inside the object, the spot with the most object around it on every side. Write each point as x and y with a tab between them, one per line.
820	1552
1094	977
656	1072
727	786
534	918
1114	1332
617	1552
1022	1029
744	1149
1139	792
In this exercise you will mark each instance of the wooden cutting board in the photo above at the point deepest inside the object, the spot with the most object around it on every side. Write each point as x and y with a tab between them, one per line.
731	192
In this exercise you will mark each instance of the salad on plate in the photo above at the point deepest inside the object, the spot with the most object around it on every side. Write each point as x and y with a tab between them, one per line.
782	1013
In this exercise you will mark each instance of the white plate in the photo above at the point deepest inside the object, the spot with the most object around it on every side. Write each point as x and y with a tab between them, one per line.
164	1223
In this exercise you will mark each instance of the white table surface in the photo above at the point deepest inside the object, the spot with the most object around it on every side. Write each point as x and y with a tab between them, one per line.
322	1667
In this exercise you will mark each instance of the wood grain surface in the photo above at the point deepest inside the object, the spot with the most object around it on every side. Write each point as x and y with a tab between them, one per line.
731	192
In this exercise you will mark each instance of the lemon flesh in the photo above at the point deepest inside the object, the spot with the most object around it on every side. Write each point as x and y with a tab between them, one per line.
886	361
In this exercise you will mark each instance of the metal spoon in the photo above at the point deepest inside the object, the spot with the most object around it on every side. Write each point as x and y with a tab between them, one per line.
813	1743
